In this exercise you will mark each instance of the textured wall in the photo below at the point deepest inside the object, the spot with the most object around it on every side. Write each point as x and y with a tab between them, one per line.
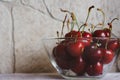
24	23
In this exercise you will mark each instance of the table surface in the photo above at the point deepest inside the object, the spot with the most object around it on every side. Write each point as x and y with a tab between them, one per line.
49	76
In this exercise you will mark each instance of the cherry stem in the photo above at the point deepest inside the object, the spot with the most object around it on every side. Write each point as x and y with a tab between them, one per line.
110	24
68	22
103	22
85	24
89	10
72	25
114	20
106	45
63	25
93	27
58	36
74	20
65	11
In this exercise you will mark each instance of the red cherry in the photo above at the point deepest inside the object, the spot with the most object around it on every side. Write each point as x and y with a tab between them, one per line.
86	41
59	51
87	38
75	48
99	33
73	34
61	57
107	32
92	54
107	56
94	70
63	63
113	45
78	66
86	34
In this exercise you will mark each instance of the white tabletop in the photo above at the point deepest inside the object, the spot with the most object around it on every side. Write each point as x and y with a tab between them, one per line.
49	76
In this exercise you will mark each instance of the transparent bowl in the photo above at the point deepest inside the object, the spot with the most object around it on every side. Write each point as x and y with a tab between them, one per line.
82	58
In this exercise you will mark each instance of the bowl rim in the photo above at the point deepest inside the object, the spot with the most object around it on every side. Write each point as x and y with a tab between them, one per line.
111	38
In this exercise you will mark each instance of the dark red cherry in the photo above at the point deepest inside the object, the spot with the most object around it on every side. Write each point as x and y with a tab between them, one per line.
113	45
63	63
59	51
86	34
78	66
61	57
86	41
87	38
94	70
73	34
107	32
75	48
99	33
107	56
92	54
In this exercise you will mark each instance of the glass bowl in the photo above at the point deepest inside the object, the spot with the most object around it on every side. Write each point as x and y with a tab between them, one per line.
82	58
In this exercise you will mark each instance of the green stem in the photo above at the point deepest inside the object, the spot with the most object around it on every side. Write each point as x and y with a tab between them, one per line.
80	27
58	36
106	45
114	20
103	22
63	24
72	25
68	22
96	26
89	10
73	18
110	24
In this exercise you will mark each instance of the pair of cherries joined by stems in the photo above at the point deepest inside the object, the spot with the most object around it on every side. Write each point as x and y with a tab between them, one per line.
85	52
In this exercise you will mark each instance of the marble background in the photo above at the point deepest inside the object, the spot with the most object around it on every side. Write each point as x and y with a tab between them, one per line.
24	23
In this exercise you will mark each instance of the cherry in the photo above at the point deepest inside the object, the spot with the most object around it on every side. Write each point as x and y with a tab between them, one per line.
75	48
107	56
87	38
59	51
78	66
105	32
92	54
86	34
61	56
73	34
63	63
94	70
113	45
99	33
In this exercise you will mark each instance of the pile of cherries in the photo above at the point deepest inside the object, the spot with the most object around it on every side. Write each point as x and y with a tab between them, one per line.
85	52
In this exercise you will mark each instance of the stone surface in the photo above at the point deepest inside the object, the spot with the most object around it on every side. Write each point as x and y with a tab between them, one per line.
36	4
30	28
6	45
